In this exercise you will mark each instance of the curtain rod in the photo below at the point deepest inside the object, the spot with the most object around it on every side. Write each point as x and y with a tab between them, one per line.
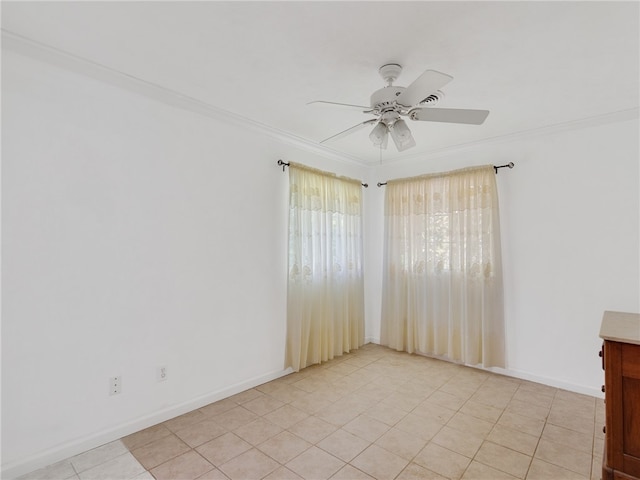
285	164
509	165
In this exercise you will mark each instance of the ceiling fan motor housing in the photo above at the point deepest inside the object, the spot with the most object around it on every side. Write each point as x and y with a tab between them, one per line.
385	98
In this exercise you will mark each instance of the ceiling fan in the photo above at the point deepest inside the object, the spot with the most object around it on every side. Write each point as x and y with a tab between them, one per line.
391	103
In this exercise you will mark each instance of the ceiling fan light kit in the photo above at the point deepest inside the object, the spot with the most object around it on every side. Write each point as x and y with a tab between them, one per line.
416	102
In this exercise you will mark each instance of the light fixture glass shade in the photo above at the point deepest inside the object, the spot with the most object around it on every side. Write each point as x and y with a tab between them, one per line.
402	136
402	131
379	136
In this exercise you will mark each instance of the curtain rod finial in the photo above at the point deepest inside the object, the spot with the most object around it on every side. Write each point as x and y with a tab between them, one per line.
283	164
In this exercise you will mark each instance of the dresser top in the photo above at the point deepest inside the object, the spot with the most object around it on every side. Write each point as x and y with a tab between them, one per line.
621	327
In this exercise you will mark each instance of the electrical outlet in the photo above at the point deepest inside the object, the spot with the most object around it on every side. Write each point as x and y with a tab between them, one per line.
161	374
115	385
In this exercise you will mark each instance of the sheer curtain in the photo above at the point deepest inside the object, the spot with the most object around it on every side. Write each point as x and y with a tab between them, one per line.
442	280
325	305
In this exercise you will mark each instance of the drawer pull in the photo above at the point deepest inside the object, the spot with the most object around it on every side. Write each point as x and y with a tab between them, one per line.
602	389
604	429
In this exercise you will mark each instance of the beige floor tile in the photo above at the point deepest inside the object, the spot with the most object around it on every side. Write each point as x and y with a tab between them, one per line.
379	463
482	411
235	417
386	414
310	403
312	429
447	400
502	383
570	438
56	471
263	405
122	467
286	416
537	388
219	407
413	471
143	476
250	465
596	468
349	472
421	427
246	396
338	415
531	396
464	443
572	420
403	401
257	431
366	428
527	409
541	470
187	466
479	471
568	408
564	456
529	425
214	474
492	397
97	456
315	464
576	399
434	412
288	393
514	439
344	445
503	459
185	420
222	449
282	473
459	390
284	447
413	387
470	424
598	447
311	384
157	452
199	433
401	443
442	461
375	391
145	436
344	369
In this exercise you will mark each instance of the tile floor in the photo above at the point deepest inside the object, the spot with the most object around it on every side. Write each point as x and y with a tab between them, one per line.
371	414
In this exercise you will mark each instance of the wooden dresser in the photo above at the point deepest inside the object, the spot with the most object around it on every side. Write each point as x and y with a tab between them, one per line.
621	362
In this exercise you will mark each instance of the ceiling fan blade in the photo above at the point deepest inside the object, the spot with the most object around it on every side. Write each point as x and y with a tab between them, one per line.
348	105
422	87
350	130
449	115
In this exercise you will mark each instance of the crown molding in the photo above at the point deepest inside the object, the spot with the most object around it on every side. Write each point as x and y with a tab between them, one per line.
59	58
30	48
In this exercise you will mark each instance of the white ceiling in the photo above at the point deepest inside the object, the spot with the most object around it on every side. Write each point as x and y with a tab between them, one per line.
532	64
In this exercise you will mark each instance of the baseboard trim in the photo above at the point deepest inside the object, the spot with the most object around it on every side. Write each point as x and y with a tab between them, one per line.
552	382
75	447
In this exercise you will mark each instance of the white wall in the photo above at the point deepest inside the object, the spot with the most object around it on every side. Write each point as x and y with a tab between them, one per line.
135	234
570	222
